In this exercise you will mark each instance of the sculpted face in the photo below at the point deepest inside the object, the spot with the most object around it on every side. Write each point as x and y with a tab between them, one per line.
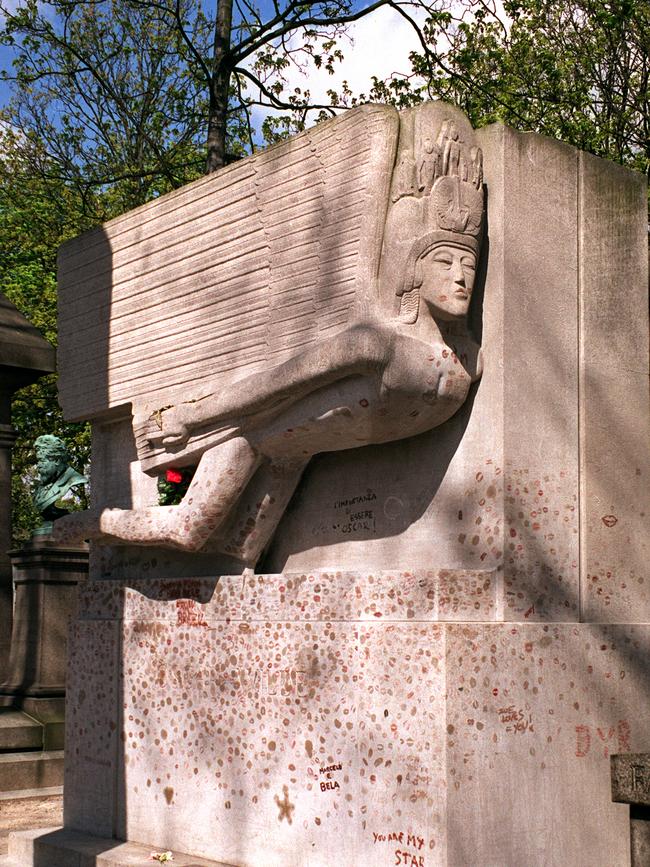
446	278
49	466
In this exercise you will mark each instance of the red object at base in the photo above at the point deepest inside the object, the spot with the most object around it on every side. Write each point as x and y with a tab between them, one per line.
174	476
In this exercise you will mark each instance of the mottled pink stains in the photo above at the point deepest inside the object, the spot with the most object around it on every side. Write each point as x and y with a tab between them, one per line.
388	699
541	553
286	807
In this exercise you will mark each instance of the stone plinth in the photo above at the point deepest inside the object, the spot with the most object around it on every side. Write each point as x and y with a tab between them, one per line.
45	577
56	847
24	357
631	785
347	716
32	697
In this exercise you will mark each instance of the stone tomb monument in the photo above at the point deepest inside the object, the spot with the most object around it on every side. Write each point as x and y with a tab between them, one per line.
401	615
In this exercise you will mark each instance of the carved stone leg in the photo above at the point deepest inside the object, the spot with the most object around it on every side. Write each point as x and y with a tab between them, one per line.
260	510
221	476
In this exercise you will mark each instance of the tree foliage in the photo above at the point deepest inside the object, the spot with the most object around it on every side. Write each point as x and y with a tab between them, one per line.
33	222
575	70
104	90
131	95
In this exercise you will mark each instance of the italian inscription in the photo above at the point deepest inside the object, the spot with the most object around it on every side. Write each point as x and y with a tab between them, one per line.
355	514
351	515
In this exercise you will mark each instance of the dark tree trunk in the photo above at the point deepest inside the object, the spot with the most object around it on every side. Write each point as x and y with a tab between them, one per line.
219	86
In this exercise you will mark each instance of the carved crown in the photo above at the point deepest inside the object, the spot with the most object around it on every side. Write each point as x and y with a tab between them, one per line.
436	189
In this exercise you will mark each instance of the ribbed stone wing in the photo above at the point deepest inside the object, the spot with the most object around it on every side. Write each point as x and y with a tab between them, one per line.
229	274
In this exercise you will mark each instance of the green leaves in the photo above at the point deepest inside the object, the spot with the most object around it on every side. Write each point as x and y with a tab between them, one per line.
109	91
36	215
577	70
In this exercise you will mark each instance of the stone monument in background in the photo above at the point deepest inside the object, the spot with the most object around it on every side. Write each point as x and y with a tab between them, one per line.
37	595
32	692
401	614
25	356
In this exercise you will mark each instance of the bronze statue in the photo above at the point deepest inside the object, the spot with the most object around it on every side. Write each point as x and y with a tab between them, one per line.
55	479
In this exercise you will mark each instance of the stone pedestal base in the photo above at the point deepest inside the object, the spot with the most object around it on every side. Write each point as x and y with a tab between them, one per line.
45	579
56	847
631	785
347	718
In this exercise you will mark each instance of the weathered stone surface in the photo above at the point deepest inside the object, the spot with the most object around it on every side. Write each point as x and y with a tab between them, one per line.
533	713
24	352
631	778
614	402
46	576
24	357
58	847
19	731
238	696
226	275
639	836
30	770
7	440
93	714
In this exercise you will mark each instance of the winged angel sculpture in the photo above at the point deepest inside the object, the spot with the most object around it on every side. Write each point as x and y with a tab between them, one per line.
399	360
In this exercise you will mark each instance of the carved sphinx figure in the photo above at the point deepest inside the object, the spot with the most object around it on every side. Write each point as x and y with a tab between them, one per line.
391	374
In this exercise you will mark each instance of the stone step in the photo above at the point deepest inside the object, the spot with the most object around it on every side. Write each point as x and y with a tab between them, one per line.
57	847
31	770
18	731
29	808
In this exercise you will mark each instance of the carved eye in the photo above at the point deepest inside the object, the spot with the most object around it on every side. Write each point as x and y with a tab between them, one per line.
468	262
443	259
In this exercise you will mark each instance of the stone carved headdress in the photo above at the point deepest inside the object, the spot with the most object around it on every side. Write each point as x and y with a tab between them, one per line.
436	195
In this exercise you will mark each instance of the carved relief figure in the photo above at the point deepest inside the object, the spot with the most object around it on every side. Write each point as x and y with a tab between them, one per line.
391	375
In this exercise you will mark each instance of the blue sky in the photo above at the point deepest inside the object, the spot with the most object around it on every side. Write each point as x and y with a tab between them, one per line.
377	45
5	61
